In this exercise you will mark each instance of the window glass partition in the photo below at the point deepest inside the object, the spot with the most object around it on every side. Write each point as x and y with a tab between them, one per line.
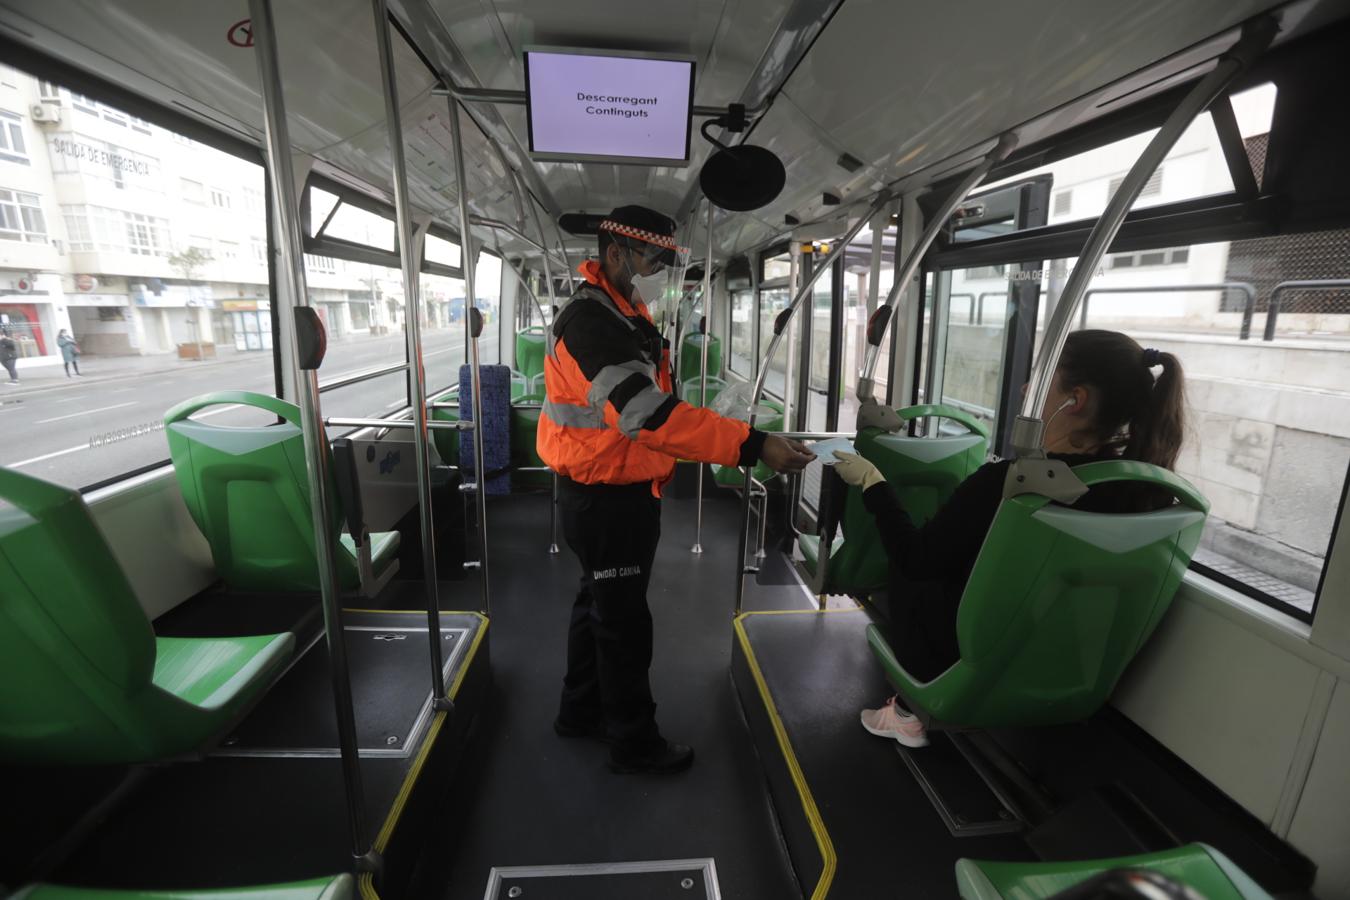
136	270
742	358
1268	433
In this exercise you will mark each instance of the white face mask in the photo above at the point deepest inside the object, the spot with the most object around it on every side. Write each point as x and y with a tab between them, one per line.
649	288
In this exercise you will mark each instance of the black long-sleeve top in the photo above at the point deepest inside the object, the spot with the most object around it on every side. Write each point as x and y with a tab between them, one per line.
930	565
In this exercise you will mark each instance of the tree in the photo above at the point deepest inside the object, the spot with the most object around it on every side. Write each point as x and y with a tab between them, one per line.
189	261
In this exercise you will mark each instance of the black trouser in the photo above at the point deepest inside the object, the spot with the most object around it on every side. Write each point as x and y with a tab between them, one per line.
613	530
72	363
11	368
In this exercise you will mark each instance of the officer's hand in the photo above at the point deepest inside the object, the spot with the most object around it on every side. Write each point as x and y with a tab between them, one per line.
785	455
856	470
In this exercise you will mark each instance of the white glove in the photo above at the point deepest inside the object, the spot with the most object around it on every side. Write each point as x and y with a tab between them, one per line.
872	414
856	470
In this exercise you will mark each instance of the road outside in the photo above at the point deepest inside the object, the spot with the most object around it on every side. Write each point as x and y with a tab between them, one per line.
81	431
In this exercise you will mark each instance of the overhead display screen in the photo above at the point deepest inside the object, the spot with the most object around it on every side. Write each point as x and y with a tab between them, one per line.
594	105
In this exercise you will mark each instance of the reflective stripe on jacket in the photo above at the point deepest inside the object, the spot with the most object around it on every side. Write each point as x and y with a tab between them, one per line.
609	416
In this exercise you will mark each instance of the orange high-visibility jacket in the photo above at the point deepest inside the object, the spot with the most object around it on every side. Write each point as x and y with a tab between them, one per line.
609	416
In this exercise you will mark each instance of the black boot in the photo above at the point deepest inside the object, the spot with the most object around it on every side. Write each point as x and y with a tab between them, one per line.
664	759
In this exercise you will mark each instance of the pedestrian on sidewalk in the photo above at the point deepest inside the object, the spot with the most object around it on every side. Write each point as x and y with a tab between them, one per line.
70	351
9	352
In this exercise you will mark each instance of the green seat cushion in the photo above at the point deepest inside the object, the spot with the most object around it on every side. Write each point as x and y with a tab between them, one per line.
335	887
383	548
215	673
1197	866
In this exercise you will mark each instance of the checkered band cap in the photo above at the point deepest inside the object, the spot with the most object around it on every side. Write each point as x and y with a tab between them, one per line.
664	241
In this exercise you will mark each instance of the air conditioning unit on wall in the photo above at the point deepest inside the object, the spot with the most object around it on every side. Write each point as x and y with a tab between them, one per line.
45	112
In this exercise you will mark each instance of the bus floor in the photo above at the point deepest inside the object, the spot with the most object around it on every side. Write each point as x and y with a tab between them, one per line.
528	798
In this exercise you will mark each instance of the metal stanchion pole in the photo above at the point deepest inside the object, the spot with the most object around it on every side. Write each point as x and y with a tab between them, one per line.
552	305
703	371
410	257
779	327
472	322
292	296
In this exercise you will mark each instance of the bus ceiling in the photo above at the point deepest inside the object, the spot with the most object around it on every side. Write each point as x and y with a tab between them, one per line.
914	98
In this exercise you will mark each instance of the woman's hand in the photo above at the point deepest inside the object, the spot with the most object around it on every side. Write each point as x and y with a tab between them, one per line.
856	470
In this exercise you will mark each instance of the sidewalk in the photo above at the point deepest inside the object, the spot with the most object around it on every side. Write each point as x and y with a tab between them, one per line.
42	374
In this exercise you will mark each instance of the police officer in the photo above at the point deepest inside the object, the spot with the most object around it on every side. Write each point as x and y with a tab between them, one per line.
612	431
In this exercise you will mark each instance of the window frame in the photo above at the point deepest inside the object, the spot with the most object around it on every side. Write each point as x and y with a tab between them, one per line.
11	127
1239	214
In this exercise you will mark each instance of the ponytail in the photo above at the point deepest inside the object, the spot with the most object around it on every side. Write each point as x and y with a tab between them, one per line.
1156	429
1135	415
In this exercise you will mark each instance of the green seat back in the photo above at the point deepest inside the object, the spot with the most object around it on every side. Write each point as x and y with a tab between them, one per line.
690	393
731	476
524	438
691	357
530	350
1059	602
248	492
71	630
447	441
1198	866
923	472
520	384
78	654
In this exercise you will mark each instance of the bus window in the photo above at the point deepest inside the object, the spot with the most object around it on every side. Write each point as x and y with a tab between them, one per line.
150	250
1269	432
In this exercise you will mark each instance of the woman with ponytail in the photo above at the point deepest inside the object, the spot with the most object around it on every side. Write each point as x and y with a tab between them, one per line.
1110	399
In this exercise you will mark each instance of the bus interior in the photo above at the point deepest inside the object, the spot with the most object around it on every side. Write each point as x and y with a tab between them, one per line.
305	258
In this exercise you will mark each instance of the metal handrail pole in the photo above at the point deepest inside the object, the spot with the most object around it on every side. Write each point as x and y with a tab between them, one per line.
505	97
703	375
471	306
1028	431
779	326
292	294
552	305
1005	145
348	422
1248	292
523	282
358	377
498	225
412	325
1273	310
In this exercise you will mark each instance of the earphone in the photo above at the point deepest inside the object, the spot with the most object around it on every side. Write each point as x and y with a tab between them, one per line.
1072	401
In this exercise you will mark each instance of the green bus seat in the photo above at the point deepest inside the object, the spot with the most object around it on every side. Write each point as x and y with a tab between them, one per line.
335	887
98	688
770	418
524	438
1198	866
446	441
1059	601
689	390
520	384
691	357
923	472
530	350
247	490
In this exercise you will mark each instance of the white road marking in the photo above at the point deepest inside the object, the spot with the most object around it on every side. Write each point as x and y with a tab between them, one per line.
84	446
216	412
73	399
89	412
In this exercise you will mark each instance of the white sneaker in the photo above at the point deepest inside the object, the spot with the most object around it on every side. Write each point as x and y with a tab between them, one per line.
892	722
